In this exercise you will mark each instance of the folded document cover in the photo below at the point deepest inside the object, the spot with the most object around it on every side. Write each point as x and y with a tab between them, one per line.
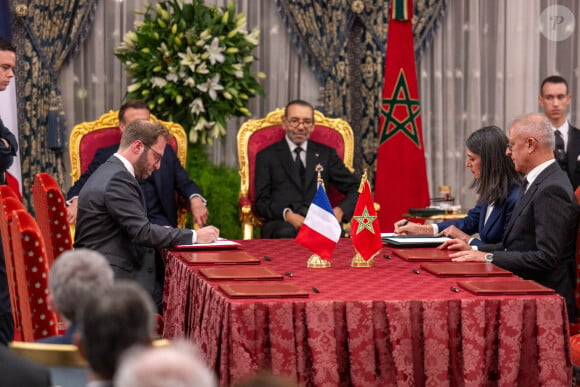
240	273
242	290
424	254
217	257
414	240
505	287
465	269
220	244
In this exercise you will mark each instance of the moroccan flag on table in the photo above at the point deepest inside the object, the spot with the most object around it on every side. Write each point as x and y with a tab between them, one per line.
320	231
401	176
365	229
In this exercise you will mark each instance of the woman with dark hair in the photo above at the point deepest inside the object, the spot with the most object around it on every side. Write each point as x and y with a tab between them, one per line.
495	181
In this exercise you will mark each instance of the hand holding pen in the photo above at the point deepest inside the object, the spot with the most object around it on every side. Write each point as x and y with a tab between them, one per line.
399	226
404	227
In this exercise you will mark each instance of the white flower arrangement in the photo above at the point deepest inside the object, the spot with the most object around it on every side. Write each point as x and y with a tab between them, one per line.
192	64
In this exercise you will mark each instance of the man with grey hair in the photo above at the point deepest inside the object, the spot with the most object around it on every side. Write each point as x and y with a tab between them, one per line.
540	237
74	277
176	365
112	216
112	322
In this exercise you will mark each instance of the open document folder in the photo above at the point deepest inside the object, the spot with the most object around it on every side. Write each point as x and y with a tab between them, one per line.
219	244
412	240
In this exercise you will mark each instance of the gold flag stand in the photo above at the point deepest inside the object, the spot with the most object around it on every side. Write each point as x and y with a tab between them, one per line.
359	261
316	262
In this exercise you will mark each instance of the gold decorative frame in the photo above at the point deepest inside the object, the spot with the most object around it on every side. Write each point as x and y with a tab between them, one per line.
50	355
57	355
274	118
111	120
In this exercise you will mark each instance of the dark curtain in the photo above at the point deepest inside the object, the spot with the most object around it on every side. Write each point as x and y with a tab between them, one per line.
344	42
47	33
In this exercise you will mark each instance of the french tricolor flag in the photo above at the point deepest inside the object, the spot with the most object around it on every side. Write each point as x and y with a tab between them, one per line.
320	231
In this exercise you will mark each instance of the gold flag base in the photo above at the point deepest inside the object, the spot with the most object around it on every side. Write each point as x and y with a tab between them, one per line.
359	261
315	261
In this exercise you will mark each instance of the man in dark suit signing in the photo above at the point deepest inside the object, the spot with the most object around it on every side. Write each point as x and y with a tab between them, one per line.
286	172
554	100
112	217
540	237
159	188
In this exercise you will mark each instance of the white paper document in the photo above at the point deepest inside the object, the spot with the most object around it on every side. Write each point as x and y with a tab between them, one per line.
220	243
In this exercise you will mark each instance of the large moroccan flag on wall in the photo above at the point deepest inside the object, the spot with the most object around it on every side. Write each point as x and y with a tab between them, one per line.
401	176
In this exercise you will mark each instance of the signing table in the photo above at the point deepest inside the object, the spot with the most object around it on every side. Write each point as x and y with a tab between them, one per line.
392	324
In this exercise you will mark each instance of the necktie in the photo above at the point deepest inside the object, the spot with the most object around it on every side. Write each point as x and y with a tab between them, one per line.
298	162
559	150
524	186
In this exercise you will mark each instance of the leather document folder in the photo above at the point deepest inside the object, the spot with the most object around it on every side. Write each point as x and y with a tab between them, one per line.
465	269
505	287
414	240
421	254
220	244
217	257
245	290
240	273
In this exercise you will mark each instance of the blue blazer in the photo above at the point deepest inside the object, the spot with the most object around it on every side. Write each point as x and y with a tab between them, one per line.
169	178
492	231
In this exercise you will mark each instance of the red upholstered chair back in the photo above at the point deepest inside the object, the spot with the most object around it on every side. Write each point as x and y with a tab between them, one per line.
31	268
8	205
7	191
87	137
50	208
268	136
255	135
92	141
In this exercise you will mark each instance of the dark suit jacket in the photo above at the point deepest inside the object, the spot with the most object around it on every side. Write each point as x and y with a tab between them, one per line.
7	153
169	178
492	231
113	221
16	372
277	184
540	237
572	154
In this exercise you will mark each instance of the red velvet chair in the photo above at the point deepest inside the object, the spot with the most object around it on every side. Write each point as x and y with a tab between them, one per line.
50	208
255	135
31	269
9	203
87	137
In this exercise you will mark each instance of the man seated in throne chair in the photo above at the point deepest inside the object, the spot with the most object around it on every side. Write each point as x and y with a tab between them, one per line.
159	188
286	175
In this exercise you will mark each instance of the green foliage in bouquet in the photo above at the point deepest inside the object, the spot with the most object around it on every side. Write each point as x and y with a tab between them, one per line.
220	186
192	64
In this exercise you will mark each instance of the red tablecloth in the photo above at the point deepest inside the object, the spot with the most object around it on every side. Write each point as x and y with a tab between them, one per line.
377	326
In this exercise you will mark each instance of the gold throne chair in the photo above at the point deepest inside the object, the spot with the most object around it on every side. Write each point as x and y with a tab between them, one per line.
255	135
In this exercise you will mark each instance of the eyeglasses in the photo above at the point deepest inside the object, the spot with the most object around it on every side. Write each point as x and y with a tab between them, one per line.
295	123
158	156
